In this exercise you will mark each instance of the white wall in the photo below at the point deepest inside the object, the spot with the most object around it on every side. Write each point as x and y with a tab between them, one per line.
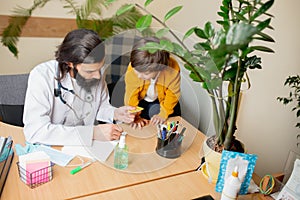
265	125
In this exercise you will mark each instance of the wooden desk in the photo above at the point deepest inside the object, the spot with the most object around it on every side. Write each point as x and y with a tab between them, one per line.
98	177
190	185
184	186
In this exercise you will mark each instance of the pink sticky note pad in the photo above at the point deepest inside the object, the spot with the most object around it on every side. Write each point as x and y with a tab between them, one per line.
38	172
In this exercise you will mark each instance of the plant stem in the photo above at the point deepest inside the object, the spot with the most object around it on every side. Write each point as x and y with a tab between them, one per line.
233	107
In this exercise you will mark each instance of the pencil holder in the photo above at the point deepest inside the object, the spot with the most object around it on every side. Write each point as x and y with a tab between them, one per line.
170	148
35	178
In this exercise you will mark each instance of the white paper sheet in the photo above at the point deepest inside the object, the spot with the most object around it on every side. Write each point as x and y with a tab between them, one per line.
291	190
99	150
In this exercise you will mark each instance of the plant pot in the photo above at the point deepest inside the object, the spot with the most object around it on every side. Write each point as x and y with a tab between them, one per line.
212	161
211	167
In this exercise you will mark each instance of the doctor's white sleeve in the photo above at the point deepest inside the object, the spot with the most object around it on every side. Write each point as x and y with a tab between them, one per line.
38	108
106	110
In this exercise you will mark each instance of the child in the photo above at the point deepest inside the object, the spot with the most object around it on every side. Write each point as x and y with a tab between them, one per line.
152	81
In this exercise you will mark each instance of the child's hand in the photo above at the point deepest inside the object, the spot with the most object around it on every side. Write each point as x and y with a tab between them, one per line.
156	119
139	122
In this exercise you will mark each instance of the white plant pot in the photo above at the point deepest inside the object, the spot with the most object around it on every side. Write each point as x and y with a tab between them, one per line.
212	163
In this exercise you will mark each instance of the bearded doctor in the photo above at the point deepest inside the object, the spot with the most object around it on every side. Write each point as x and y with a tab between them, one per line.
66	97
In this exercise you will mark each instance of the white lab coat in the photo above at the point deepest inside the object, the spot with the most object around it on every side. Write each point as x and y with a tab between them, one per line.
44	114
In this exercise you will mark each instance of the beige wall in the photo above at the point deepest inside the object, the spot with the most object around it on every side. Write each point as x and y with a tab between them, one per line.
265	126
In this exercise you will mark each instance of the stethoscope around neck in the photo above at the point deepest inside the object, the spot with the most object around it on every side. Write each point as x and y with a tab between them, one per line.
58	93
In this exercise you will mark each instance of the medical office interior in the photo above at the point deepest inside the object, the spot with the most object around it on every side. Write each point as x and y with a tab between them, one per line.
265	126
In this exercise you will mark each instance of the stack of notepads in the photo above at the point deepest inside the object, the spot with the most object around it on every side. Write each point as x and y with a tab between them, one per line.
6	157
35	168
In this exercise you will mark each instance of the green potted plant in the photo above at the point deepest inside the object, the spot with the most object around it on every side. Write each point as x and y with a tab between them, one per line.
220	57
88	15
293	82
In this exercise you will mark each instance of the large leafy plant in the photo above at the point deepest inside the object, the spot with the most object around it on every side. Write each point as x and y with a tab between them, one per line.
220	57
293	82
88	15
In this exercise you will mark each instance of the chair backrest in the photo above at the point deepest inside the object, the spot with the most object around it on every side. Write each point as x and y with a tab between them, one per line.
117	58
12	96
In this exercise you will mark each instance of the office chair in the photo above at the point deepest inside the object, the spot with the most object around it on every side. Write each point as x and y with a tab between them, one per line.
117	58
12	90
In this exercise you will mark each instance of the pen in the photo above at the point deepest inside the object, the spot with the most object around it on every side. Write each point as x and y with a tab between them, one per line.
164	133
182	131
79	168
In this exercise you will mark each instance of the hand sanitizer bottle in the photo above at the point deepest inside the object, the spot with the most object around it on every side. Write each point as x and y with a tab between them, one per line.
121	154
232	186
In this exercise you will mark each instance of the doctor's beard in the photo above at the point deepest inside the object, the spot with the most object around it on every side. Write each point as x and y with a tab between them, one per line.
86	84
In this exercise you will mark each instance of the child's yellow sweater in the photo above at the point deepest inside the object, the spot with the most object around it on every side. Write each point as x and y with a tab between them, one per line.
167	88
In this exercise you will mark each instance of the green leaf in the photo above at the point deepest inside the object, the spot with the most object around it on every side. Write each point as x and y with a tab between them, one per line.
264	24
224	9
266	37
194	77
103	27
223	49
240	34
172	12
11	34
124	9
222	14
225	24
147	3
226	4
193	60
219	38
240	17
166	45
202	45
197	52
203	73
219	63
262	48
152	47
263	9
160	33
214	83
253	62
245	10
108	2
189	32
209	30
188	67
210	66
200	33
229	74
144	22
178	50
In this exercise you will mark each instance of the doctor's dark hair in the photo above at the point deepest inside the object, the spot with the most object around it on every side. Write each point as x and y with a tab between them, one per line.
79	46
144	61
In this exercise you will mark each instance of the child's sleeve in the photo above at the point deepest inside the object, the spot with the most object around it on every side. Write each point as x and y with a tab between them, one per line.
131	96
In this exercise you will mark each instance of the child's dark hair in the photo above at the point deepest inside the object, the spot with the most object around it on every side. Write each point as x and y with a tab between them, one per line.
142	60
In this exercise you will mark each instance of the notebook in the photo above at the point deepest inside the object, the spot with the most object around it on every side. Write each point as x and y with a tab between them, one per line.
6	157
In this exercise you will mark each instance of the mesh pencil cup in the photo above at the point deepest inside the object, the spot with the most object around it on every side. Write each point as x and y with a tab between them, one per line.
169	148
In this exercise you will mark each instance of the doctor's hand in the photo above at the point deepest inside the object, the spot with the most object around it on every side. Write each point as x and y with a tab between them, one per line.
123	114
106	132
